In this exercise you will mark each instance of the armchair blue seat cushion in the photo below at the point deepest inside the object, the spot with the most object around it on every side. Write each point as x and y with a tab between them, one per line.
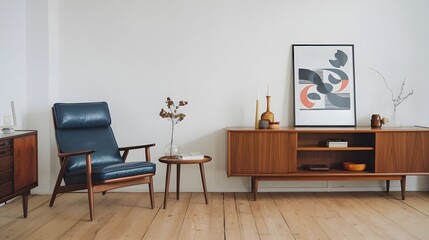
86	126
108	172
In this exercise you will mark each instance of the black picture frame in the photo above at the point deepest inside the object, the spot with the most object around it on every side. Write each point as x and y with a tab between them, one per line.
324	85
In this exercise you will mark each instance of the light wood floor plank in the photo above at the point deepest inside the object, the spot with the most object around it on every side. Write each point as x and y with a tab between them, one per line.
196	220
12	211
38	218
168	222
418	201
302	224
140	217
269	221
343	203
66	222
385	227
248	229
217	219
424	195
409	219
232	224
103	212
335	226
358	215
141	214
202	220
122	208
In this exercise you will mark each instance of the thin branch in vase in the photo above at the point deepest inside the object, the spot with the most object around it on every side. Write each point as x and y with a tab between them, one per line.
400	98
174	117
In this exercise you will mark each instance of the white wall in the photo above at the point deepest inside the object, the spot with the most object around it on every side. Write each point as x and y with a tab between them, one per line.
24	73
38	84
217	55
13	60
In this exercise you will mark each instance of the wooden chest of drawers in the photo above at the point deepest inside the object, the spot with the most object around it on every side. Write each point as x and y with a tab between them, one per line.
18	165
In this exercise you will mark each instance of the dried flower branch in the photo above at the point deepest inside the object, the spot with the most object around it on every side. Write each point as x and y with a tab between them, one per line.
173	116
400	98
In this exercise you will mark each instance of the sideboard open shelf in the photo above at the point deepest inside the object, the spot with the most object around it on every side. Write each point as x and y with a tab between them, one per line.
284	154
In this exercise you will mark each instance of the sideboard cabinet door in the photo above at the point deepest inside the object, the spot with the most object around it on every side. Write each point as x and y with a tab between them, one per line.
25	161
261	153
402	152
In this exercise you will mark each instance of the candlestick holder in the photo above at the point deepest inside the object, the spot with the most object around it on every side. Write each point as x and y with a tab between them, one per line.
257	114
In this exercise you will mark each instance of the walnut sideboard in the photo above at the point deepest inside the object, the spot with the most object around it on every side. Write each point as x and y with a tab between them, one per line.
18	165
283	154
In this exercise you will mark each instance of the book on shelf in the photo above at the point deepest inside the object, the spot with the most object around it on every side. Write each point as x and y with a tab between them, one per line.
191	156
336	143
317	167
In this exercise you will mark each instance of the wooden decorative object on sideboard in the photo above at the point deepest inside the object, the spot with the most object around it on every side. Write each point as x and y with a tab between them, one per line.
284	154
18	166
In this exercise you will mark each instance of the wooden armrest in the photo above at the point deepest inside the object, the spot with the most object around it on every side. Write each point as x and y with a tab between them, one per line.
146	148
136	147
71	154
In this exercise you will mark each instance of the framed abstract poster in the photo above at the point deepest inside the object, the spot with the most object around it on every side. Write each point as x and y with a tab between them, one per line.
324	85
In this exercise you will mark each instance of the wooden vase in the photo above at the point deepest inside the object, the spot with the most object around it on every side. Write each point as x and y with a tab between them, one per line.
267	115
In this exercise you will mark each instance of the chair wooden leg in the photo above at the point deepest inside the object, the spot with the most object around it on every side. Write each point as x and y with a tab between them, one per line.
152	199
55	192
54	195
58	182
90	187
91	203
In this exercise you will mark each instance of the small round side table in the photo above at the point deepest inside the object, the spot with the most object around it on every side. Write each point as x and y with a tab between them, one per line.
169	161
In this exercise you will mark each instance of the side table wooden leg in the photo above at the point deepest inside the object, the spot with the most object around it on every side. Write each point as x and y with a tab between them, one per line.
178	182
203	179
167	184
25	204
403	186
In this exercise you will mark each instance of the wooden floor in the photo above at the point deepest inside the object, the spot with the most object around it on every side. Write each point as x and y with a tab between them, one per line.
373	215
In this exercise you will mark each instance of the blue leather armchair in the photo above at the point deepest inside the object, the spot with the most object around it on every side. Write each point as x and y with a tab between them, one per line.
89	155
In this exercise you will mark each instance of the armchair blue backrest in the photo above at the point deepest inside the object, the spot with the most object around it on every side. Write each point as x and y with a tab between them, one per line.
85	126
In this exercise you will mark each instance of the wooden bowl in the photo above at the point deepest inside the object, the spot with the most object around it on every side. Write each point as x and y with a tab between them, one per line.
354	166
274	125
